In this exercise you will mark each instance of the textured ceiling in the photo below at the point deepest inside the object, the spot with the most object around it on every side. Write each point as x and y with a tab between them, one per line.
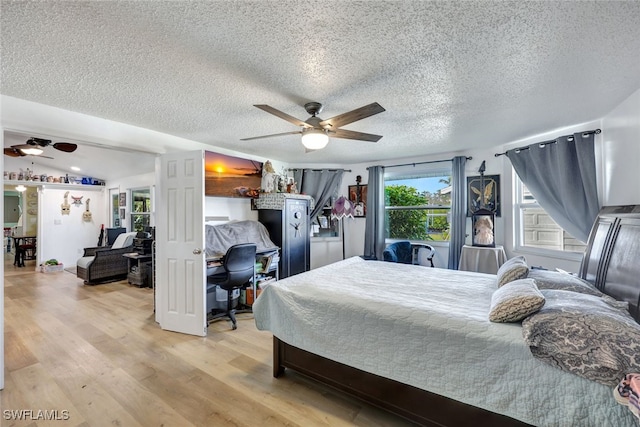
451	75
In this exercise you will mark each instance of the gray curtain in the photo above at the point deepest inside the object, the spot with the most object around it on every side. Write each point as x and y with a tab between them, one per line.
562	178
321	184
374	235
458	222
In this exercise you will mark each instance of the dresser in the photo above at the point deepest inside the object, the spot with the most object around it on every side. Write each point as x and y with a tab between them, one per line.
286	217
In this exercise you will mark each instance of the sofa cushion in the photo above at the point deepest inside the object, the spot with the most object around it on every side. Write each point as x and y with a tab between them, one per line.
85	261
124	240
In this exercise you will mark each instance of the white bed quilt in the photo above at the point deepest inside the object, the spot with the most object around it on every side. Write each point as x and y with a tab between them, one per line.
429	328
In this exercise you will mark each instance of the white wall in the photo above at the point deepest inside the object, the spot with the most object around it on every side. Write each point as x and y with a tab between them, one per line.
125	185
621	153
63	237
354	228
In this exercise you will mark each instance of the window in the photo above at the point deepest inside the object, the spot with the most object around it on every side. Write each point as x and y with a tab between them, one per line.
418	205
535	229
140	209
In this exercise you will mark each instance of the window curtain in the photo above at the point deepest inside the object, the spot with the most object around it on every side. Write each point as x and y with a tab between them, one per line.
562	178
321	184
374	235
458	222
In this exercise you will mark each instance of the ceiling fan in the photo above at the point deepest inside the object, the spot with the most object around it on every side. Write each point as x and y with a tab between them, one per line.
315	131
34	147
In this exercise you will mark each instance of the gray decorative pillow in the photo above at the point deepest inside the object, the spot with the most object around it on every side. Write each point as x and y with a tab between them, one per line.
548	279
585	335
514	269
515	301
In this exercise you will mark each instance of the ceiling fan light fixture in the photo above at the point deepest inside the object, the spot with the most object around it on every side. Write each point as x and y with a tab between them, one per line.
314	139
33	151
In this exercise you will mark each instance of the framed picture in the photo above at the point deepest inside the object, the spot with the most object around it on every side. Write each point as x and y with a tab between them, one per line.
358	196
122	215
122	201
483	193
229	176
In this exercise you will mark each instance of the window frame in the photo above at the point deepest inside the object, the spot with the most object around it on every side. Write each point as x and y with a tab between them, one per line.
133	214
518	227
424	171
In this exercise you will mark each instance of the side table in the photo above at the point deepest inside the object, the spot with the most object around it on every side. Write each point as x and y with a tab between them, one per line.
139	267
482	259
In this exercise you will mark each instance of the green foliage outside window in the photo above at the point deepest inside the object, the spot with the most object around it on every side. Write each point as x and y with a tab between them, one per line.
411	214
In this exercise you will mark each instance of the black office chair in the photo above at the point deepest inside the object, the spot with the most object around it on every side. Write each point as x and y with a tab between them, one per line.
406	252
239	263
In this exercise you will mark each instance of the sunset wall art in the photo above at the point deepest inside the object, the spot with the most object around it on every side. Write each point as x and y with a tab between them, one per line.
228	176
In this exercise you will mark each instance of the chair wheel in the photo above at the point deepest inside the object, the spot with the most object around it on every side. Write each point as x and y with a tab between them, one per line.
234	327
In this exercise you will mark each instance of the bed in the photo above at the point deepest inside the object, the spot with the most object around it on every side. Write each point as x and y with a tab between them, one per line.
417	341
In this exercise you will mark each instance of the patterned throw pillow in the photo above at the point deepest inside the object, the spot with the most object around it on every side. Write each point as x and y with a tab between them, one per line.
585	335
548	279
514	269
515	301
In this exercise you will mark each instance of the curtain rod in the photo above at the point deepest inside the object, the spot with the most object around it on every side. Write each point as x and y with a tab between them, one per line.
543	143
318	170
422	163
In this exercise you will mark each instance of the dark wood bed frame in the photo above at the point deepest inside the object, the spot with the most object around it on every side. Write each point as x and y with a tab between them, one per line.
611	262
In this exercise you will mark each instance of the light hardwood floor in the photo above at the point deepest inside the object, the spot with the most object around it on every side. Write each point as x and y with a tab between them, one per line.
97	353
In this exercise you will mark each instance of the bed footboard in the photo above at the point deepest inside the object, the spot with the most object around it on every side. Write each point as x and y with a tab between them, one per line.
409	402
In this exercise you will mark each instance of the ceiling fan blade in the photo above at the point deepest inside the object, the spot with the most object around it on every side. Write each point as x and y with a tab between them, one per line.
67	147
282	115
350	134
13	152
269	136
353	116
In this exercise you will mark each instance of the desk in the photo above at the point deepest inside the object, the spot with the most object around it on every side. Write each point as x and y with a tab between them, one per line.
482	259
25	247
260	275
139	269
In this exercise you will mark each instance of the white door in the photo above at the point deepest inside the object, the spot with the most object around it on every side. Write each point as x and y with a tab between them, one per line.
180	266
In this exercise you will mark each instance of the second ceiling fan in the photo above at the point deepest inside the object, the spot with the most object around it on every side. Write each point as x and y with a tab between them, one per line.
34	147
315	131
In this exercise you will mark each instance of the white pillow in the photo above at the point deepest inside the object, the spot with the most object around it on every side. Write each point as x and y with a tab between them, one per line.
514	269
124	240
515	301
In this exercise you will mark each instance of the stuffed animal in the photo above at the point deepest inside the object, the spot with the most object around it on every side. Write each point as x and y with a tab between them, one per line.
483	231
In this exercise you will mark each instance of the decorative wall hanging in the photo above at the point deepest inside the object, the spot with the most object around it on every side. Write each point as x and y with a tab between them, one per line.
358	196
228	176
86	215
77	201
65	208
122	200
488	199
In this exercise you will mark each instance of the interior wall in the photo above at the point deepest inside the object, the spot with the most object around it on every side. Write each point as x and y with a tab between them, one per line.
125	185
621	153
355	228
64	237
